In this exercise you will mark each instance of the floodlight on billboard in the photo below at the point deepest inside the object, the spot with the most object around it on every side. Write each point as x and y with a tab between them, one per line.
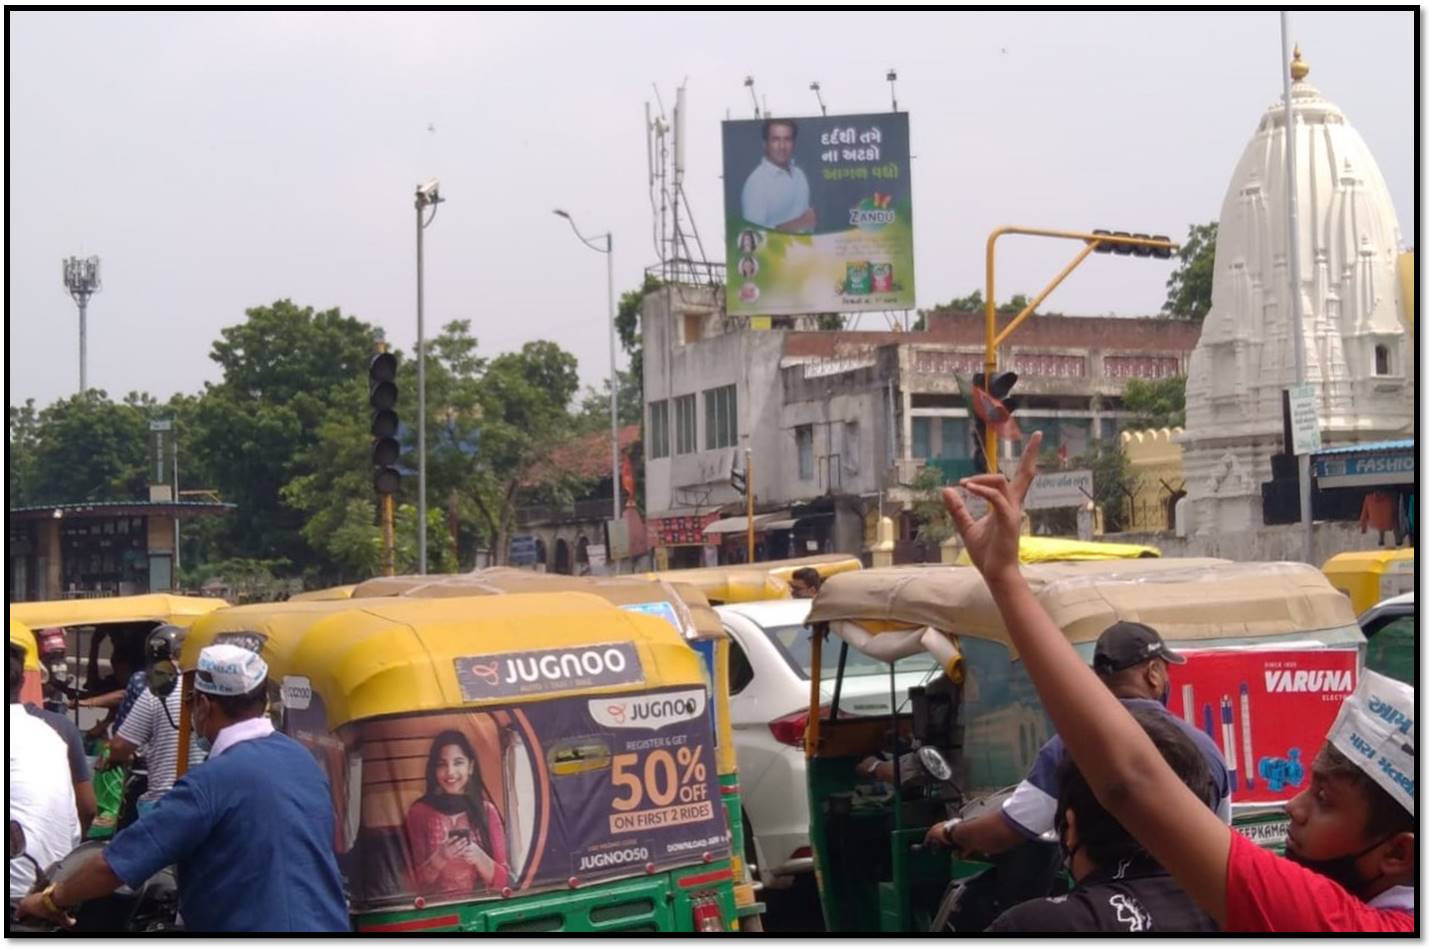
818	214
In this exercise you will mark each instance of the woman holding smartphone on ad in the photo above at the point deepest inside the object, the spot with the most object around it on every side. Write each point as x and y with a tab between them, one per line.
456	839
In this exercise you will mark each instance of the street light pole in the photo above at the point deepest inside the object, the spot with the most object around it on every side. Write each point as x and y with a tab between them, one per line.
426	194
612	356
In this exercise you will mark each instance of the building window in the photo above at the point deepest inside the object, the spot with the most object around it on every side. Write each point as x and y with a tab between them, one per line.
851	447
658	440
805	464
686	423
920	437
720	416
1381	361
954	438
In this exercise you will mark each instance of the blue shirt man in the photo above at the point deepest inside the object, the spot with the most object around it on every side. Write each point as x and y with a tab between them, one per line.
251	829
776	194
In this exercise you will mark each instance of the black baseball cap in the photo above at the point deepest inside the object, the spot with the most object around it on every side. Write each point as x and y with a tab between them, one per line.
1126	643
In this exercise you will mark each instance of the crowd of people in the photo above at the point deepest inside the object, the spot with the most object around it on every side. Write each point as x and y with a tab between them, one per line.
1136	800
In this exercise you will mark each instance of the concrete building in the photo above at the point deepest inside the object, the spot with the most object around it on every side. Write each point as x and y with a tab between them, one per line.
839	422
1359	355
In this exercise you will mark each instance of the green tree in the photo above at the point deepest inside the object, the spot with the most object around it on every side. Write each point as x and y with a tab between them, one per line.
83	448
595	412
23	454
629	326
1191	285
284	369
523	397
1155	403
929	510
972	303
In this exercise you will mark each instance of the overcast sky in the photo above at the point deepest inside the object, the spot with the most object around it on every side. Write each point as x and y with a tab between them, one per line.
219	161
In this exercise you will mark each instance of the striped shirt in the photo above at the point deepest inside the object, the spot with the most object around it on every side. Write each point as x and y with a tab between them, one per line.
150	729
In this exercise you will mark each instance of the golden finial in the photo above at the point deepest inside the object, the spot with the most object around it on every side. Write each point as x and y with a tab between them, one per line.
1298	68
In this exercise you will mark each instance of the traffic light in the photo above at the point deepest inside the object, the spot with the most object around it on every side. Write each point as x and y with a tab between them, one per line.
1137	250
382	398
999	389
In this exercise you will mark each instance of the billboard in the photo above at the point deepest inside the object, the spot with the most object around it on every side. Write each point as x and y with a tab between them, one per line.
1267	710
818	214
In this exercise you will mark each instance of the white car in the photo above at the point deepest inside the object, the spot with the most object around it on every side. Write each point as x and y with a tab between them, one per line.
770	695
1391	627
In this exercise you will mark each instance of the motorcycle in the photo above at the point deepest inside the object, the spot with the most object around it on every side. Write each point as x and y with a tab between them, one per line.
153	907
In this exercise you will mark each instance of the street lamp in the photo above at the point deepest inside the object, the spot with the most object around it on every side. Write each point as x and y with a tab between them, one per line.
82	279
611	351
425	195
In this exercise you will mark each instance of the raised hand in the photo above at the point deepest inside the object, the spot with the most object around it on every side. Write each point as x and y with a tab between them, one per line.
993	540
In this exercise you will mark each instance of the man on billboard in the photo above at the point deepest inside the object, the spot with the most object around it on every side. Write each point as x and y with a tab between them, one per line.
776	194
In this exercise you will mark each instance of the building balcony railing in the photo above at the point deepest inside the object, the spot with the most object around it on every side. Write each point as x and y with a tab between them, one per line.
587	510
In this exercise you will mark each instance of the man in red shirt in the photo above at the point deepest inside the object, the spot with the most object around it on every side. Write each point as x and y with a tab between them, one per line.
1351	846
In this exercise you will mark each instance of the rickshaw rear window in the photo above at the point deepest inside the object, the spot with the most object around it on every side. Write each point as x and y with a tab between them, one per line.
794	640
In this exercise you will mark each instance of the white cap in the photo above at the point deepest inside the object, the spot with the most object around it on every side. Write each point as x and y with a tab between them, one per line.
1375	729
228	670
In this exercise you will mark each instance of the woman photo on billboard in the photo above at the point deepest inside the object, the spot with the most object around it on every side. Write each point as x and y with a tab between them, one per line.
456	839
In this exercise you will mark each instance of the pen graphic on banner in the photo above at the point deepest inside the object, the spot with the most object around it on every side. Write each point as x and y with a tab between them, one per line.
1187	691
1226	725
1248	730
1209	723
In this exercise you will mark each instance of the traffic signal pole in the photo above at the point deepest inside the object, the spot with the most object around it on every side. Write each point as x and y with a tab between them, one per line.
750	517
388	569
994	340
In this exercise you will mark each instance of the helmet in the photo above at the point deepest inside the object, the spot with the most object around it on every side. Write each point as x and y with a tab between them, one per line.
161	658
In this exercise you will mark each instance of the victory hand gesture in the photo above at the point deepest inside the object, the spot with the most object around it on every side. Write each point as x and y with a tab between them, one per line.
993	540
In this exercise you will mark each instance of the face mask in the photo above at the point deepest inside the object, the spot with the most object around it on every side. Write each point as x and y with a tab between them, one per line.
202	742
1164	694
1342	869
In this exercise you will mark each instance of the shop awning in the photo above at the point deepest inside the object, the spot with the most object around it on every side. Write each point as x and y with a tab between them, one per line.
737	523
1368	464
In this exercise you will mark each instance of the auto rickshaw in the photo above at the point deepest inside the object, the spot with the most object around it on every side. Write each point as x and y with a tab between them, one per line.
758	581
591	740
1368	577
84	621
681	605
340	592
31	691
88	690
1038	549
1271	650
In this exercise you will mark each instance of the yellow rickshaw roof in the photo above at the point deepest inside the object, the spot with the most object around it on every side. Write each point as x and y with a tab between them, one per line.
1375	558
22	635
160	608
373	657
1035	549
340	592
1185	599
618	589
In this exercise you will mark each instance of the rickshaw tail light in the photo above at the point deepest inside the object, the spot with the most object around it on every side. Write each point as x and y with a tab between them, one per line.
791	729
706	913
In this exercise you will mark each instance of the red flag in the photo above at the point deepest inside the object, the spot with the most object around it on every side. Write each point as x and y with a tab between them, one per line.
993	414
1064	454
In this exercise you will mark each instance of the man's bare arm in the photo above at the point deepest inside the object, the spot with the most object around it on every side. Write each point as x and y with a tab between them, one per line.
1115	755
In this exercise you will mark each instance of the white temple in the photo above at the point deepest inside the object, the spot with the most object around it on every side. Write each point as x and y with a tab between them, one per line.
1358	352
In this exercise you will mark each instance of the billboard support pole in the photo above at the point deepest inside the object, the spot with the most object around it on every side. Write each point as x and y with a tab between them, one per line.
750	519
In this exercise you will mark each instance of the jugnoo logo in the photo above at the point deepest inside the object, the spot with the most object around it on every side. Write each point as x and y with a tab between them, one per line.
650	712
601	860
521	672
297	693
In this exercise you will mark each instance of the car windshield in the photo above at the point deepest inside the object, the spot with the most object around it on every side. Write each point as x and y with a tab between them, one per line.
795	643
